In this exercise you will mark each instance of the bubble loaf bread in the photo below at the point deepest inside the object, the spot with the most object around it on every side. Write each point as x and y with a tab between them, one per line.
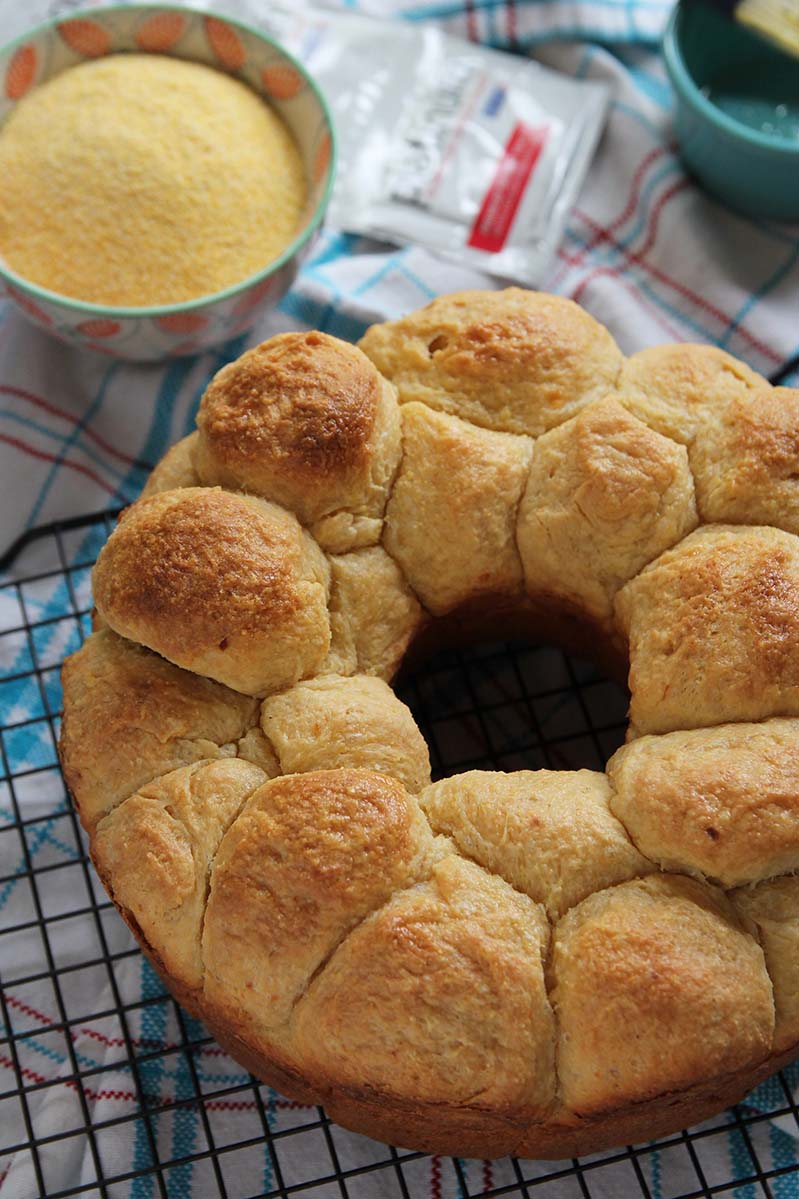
543	963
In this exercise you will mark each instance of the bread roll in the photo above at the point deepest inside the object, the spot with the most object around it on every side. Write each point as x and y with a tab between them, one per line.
549	833
605	496
131	717
332	722
450	523
676	388
713	630
720	803
516	361
224	585
305	420
657	984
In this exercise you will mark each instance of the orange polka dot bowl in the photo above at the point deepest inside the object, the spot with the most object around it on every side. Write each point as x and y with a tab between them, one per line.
174	329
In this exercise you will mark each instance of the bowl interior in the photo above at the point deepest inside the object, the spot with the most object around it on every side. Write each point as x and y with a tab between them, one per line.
198	36
742	74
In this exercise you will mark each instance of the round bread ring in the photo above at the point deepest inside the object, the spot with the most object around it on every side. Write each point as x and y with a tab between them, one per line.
544	963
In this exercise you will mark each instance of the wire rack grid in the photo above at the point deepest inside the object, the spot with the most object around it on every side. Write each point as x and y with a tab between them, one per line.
110	1090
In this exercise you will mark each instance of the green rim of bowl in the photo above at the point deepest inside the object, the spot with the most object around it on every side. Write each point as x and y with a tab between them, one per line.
58	298
687	89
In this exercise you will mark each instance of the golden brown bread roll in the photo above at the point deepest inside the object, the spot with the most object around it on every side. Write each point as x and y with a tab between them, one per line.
374	615
305	420
131	717
307	859
605	496
713	628
675	388
157	847
511	962
721	803
657	984
746	462
465	953
518	361
548	833
334	722
225	585
450	522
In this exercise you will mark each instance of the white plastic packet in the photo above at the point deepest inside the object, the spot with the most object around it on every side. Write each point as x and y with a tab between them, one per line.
475	154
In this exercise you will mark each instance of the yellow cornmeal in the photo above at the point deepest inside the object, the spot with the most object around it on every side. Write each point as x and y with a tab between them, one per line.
139	179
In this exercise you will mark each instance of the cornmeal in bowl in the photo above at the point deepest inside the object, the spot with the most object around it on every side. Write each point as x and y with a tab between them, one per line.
140	179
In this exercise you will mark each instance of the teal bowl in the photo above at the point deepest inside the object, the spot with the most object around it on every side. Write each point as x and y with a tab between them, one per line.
736	111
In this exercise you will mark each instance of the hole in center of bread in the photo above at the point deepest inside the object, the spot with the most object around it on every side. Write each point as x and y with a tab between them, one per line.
513	705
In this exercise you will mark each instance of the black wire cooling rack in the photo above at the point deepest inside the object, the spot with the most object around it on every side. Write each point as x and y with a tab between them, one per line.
498	707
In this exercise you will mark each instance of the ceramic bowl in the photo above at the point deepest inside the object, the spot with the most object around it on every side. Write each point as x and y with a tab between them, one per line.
737	111
173	330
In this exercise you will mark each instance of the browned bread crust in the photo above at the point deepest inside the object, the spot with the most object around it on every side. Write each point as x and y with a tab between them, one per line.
305	420
546	962
225	585
517	361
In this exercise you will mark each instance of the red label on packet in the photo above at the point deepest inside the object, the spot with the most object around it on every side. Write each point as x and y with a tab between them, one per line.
500	203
